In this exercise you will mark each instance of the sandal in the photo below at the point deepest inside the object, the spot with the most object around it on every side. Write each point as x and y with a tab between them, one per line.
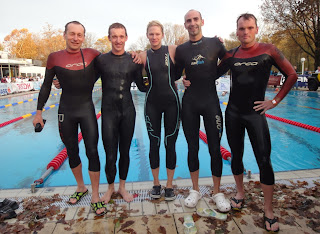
211	213
192	200
77	196
237	201
188	224
99	205
222	204
271	222
7	215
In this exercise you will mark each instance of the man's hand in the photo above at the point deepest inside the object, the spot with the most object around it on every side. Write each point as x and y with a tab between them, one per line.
136	57
38	118
263	105
220	39
56	83
186	82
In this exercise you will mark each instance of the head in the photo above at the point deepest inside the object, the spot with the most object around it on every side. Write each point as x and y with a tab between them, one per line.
247	29
118	37
155	33
193	22
318	68
74	34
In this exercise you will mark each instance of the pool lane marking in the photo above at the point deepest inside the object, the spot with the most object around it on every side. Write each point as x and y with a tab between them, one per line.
29	100
31	114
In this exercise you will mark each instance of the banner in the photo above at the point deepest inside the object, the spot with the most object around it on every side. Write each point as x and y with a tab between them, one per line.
3	89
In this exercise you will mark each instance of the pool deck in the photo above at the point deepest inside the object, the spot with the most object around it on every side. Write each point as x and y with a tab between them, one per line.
145	215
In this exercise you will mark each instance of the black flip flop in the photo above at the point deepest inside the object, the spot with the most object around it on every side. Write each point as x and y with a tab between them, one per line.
99	205
78	196
237	201
6	202
271	222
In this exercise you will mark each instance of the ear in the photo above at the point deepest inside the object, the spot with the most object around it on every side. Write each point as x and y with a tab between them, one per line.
202	22
126	38
257	30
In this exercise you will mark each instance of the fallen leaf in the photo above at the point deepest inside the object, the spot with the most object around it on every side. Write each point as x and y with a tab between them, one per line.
162	230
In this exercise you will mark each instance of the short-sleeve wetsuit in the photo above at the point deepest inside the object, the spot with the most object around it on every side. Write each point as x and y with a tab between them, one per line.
118	112
200	62
250	69
162	97
76	106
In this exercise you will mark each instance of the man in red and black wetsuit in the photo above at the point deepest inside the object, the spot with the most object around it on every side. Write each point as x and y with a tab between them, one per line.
74	67
250	66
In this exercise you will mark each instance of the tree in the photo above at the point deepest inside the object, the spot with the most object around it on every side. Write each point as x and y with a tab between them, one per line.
51	40
299	19
141	44
89	41
22	44
1	47
174	34
103	44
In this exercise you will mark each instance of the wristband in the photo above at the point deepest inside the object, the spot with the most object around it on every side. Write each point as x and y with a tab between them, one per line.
274	102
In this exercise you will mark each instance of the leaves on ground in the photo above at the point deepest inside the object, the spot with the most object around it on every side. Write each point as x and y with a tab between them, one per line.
162	211
162	230
126	224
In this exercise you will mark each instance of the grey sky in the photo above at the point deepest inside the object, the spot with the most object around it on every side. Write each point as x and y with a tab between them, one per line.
97	15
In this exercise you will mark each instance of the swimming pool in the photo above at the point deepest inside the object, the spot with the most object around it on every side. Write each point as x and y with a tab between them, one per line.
25	154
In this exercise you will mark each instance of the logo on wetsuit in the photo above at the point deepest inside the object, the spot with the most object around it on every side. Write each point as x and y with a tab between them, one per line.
219	125
246	64
76	64
198	60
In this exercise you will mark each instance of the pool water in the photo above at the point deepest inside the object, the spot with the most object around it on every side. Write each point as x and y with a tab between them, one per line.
25	154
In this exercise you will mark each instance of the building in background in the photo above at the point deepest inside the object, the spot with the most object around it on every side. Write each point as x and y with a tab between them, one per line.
19	67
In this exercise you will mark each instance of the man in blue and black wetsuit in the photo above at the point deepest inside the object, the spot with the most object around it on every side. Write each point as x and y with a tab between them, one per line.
118	71
250	66
74	67
199	57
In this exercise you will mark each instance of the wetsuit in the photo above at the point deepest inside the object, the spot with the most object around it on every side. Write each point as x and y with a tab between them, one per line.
200	62
118	112
250	69
76	106
162	97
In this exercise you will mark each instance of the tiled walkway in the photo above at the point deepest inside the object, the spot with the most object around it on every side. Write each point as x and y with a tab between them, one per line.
144	216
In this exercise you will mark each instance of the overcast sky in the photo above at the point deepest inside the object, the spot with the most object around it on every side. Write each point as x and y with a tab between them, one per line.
96	15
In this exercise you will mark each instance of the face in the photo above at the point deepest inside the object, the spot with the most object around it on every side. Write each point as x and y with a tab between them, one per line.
74	37
118	40
246	31
155	36
193	23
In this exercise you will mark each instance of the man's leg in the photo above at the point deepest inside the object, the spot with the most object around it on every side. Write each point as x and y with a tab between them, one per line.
77	173
170	174
195	180
240	190
155	174
268	209
128	197
107	196
95	177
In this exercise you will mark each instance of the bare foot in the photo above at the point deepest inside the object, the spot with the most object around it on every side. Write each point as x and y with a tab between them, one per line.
79	189
107	196
128	197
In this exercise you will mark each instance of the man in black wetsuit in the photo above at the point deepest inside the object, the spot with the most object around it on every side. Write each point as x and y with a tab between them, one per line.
250	66
118	71
74	67
199	57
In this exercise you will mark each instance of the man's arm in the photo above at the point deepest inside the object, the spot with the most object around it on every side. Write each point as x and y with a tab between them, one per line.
44	94
179	64
288	71
138	79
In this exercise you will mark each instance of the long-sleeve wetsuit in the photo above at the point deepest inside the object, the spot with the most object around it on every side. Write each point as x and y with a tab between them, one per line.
200	62
250	69
118	112
76	106
162	97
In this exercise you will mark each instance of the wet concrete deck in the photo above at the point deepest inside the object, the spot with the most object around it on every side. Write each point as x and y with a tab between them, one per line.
296	204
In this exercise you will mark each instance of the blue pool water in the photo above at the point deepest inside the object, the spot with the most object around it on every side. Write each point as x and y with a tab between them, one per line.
25	154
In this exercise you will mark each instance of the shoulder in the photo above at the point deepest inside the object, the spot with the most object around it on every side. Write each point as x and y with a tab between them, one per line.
54	57
90	51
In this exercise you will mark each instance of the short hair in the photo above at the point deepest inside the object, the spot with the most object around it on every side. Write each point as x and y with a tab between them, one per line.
192	10
74	22
247	16
117	25
155	23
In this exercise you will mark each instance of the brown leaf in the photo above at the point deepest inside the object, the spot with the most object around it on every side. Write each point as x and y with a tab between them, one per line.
130	230
162	211
162	230
126	224
195	217
145	219
178	205
181	219
243	222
